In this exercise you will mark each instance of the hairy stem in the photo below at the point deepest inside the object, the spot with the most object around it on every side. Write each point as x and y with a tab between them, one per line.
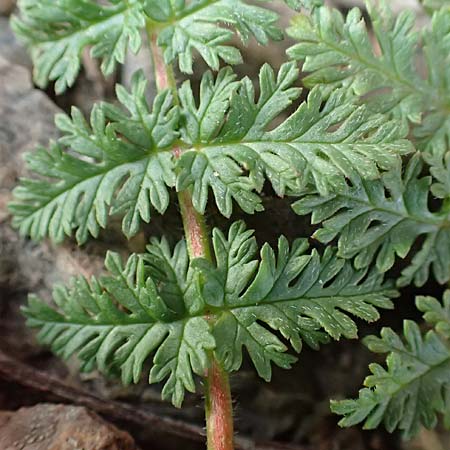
195	228
218	407
164	76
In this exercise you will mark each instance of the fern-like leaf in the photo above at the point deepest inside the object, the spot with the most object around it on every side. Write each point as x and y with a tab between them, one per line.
414	387
435	5
200	26
293	292
307	4
161	303
436	313
117	163
123	162
234	149
381	219
57	32
439	166
433	133
338	51
119	320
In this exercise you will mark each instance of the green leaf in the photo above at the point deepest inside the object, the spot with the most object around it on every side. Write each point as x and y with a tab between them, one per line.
235	145
161	304
433	133
300	295
338	51
120	320
436	313
123	162
434	255
203	26
57	32
435	5
413	389
307	4
119	163
440	170
382	219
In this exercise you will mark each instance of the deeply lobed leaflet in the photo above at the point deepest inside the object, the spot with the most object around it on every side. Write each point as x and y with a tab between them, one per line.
131	164
58	31
413	389
166	298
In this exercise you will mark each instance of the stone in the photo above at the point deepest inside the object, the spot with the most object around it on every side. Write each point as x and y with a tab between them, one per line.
140	61
60	427
7	7
27	117
10	48
27	121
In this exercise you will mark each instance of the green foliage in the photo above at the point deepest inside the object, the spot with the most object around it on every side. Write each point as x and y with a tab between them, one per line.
162	303
440	169
308	4
292	292
434	5
376	221
118	163
123	162
338	51
381	219
198	26
58	31
234	146
414	387
436	313
118	321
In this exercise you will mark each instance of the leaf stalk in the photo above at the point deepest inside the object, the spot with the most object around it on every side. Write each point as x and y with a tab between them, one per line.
218	406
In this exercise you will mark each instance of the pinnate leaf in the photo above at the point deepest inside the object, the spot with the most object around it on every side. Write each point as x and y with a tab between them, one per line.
201	27
117	163
58	31
413	389
379	220
300	294
234	147
125	160
162	308
338	51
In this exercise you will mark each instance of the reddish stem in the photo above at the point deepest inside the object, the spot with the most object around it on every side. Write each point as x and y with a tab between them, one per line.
194	228
219	412
219	417
159	66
